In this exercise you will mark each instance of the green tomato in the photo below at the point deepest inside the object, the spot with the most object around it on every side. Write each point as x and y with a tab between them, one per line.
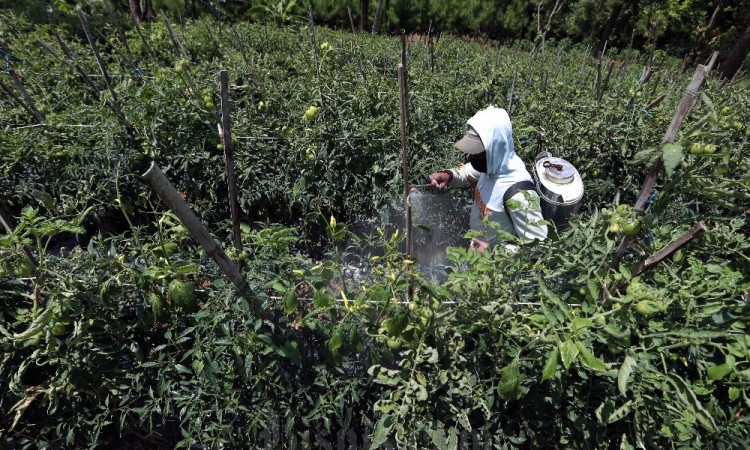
631	228
310	113
23	268
614	228
58	329
696	148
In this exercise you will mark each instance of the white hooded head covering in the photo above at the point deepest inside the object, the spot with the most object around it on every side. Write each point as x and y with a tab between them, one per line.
504	167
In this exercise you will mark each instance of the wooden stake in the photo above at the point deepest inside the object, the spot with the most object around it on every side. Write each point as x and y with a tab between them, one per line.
79	69
404	127
689	99
175	40
117	50
226	138
356	46
249	67
315	51
404	51
512	90
647	264
656	102
26	97
13	95
605	83
102	67
166	191
116	24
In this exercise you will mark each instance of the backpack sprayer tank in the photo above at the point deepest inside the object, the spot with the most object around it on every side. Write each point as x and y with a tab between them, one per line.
560	187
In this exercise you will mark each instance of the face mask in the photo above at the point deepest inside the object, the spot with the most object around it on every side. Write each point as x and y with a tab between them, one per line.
479	163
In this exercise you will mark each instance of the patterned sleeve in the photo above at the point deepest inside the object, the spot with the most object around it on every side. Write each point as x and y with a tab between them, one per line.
464	176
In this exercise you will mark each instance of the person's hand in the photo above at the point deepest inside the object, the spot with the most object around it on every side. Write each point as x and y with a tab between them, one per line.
439	180
478	245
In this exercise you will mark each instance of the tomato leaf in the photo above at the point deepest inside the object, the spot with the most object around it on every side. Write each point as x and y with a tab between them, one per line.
382	428
623	375
550	367
568	352
673	156
290	301
716	373
590	360
321	299
509	387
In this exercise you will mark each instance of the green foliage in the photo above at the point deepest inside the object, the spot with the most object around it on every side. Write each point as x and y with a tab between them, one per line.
546	347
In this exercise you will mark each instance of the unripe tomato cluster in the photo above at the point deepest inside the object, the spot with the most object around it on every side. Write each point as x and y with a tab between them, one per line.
19	267
624	220
700	149
645	299
208	99
310	113
180	65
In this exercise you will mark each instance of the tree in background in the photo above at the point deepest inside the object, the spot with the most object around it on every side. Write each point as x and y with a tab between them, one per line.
736	56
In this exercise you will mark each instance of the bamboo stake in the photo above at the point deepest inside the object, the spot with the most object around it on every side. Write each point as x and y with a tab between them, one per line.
164	189
226	138
102	67
689	99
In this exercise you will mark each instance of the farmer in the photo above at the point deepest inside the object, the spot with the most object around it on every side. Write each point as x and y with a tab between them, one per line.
492	168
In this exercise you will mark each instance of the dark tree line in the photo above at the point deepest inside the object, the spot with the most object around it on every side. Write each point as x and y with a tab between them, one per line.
681	27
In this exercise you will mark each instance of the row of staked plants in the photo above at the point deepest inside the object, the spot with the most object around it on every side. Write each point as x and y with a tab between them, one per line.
117	328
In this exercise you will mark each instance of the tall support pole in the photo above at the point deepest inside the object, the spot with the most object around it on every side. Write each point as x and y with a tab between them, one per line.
226	138
404	151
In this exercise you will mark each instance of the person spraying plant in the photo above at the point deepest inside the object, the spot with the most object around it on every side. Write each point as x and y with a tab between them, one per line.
492	169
